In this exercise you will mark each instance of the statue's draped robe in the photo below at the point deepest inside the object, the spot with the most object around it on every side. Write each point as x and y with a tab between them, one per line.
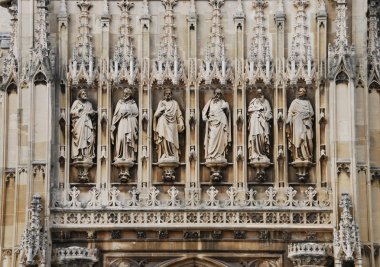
258	139
83	132
126	124
218	131
166	128
300	130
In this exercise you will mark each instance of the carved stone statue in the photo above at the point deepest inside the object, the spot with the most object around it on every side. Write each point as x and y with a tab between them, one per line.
300	127
216	114
124	128
168	123
83	131
260	113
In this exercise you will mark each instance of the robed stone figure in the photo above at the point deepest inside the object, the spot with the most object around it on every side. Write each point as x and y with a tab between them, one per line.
168	123
124	128
260	113
216	114
83	130
300	127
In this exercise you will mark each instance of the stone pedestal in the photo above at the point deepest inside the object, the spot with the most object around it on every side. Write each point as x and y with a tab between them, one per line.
302	168
168	166
216	166
260	165
124	166
83	166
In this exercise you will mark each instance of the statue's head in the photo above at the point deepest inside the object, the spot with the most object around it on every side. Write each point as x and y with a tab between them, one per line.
127	93
82	95
301	92
218	94
260	93
168	94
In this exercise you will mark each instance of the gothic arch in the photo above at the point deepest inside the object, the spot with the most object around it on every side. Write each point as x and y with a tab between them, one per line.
194	261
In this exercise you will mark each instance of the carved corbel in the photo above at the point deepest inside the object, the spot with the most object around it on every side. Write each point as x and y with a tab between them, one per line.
375	174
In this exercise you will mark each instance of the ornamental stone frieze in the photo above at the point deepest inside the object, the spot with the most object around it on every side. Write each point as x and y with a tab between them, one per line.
310	254
75	256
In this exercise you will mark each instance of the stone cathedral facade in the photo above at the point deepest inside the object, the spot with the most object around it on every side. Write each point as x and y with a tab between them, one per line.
190	133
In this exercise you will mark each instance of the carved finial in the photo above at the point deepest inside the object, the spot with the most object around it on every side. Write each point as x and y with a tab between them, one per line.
34	242
124	63
341	54
347	245
168	64
239	13
62	10
301	64
215	64
259	65
82	63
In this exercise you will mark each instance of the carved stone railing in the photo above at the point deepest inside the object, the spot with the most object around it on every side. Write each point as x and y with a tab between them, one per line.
272	199
75	255
191	219
310	254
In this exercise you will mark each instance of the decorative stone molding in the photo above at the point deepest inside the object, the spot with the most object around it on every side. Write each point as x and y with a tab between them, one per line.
301	63
124	63
82	63
259	62
347	245
310	254
34	240
340	53
375	173
75	256
39	167
343	167
215	64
